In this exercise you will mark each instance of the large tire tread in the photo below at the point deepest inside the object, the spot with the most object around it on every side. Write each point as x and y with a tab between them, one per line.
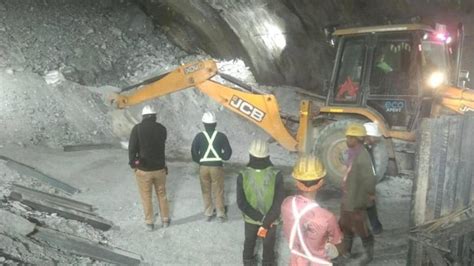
336	128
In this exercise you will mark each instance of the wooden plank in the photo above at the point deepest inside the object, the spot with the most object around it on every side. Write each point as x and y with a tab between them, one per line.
450	181
463	180
420	184
469	183
452	163
443	149
454	230
32	172
420	189
436	151
449	186
84	247
435	257
85	147
65	202
468	259
49	207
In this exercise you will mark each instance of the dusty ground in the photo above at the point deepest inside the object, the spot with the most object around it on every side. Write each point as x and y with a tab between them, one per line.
108	184
49	62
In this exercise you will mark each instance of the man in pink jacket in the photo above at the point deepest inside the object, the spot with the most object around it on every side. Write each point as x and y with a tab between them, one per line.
312	231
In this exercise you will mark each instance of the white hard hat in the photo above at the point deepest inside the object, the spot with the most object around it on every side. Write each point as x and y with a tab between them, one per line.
372	129
148	110
209	118
259	148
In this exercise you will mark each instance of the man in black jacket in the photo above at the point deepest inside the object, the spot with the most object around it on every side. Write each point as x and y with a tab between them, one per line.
209	149
146	150
373	138
260	193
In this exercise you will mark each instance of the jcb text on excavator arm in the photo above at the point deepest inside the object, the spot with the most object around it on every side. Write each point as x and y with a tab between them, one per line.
261	109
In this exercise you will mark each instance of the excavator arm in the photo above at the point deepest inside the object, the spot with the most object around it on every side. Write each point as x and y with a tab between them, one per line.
260	109
183	77
456	99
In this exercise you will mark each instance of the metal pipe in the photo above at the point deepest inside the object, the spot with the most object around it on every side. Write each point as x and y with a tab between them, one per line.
460	37
241	84
145	82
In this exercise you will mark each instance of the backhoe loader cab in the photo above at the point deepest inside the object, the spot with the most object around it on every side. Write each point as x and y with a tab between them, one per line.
389	69
387	74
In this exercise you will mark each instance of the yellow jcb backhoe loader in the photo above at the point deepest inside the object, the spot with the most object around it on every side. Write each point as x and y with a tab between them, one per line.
261	109
393	75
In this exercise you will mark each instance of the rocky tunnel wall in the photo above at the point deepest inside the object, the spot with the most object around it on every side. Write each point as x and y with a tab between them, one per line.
282	40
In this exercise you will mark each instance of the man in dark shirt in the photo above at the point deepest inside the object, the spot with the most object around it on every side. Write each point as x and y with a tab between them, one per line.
357	187
373	138
147	157
260	193
209	149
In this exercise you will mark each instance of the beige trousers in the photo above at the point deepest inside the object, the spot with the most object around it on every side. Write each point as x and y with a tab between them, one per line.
212	184
146	181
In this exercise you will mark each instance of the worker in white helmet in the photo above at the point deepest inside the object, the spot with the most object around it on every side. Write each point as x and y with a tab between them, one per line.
209	149
260	193
147	157
373	138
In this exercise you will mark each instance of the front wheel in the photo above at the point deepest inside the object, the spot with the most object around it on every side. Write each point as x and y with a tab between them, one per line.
331	148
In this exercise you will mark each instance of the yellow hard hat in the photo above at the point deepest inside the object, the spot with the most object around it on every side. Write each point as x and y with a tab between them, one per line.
356	130
308	168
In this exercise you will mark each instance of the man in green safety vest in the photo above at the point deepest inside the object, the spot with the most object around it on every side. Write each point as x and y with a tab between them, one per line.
260	193
209	149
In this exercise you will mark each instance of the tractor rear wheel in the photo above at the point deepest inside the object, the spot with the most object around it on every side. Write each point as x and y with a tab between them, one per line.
331	148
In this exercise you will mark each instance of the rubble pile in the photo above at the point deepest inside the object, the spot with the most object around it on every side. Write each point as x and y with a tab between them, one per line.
56	79
89	42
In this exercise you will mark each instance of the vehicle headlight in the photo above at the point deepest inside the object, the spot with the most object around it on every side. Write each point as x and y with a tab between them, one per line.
436	79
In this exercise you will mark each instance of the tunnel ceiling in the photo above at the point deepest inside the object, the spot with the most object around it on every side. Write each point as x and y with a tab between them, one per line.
282	40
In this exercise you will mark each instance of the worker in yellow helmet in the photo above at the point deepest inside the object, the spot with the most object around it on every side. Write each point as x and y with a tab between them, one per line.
312	231
357	187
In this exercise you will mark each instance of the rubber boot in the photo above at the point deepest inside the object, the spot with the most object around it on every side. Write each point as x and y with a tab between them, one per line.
368	254
374	220
268	263
347	247
250	262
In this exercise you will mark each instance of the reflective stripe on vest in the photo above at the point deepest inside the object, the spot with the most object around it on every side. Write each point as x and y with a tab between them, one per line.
296	229
210	149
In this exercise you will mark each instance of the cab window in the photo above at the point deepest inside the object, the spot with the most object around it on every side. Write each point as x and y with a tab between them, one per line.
393	66
349	77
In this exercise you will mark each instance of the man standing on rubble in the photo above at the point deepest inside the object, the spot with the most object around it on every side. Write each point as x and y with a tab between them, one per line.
260	193
358	186
209	149
372	139
312	231
146	150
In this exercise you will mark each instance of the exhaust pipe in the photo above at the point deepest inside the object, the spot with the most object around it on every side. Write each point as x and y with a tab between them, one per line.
460	37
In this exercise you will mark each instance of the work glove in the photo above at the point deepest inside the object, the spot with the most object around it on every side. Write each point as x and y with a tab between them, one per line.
262	232
331	250
134	164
